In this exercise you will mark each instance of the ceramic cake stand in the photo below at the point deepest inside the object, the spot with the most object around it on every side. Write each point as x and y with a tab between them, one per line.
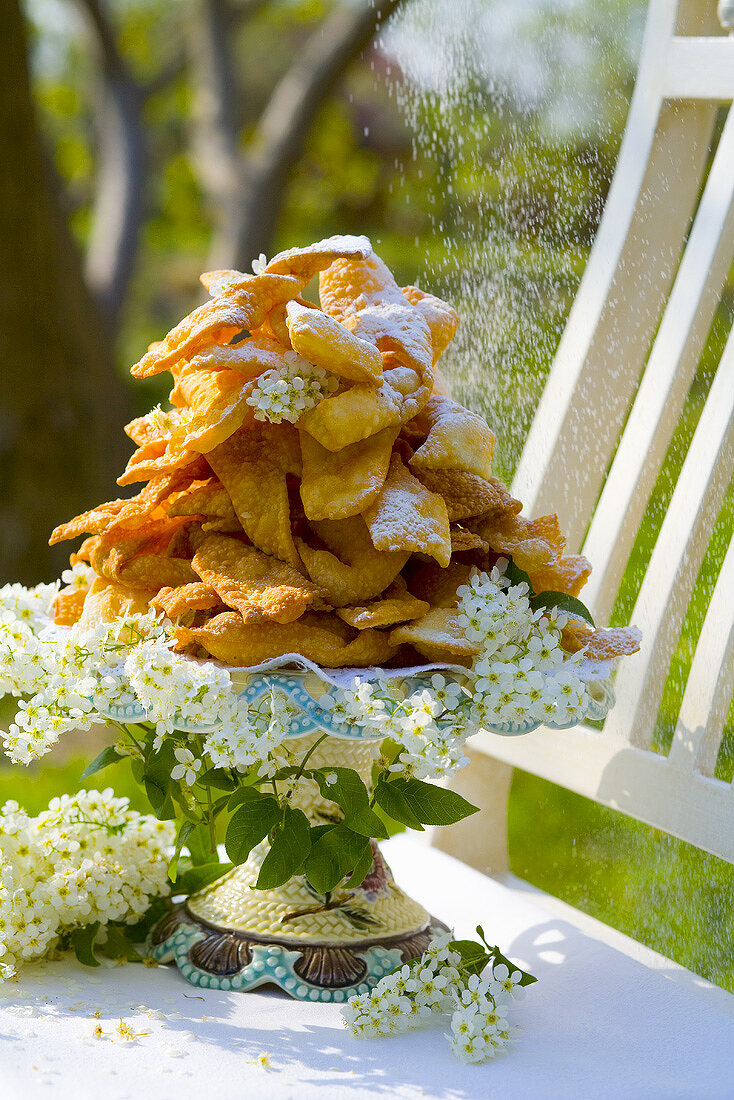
232	936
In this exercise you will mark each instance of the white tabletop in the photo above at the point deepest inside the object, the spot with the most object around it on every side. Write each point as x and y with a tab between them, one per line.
597	1025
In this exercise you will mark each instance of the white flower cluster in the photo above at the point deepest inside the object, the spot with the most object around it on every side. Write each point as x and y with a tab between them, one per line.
252	735
87	858
69	678
410	718
432	989
522	674
285	392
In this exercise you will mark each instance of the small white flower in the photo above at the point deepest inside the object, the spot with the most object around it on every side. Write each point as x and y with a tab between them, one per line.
187	767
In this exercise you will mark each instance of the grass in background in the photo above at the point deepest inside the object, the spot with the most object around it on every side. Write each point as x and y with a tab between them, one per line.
660	891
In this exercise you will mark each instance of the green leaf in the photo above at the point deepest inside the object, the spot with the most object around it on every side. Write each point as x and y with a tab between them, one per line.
157	779
431	805
474	957
82	940
158	908
345	787
243	794
219	778
196	878
117	945
106	757
336	853
362	868
289	847
391	799
564	602
185	830
516	575
250	824
498	957
317	831
199	844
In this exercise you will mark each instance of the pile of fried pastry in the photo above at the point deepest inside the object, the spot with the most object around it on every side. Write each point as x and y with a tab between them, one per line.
342	537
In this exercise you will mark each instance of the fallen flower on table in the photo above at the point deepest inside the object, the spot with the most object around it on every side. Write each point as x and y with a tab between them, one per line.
446	981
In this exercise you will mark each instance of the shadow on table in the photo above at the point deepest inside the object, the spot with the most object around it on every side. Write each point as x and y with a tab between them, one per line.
331	1054
543	947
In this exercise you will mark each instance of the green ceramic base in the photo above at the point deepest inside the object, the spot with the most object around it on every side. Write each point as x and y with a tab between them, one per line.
214	958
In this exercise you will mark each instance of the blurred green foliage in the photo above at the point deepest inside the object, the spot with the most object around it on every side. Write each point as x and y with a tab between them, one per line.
537	192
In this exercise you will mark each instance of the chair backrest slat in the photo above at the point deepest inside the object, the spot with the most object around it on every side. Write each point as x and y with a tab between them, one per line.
665	384
710	683
673	569
616	312
699	68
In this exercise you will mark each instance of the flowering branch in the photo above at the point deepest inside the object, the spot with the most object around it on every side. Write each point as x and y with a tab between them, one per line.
446	981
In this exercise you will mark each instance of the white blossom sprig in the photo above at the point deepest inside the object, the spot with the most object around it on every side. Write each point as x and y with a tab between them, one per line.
287	391
468	985
86	860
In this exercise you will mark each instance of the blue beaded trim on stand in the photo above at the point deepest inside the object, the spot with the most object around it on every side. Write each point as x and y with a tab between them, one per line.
314	717
272	964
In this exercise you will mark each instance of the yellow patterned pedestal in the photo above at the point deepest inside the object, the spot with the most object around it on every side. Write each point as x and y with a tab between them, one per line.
233	936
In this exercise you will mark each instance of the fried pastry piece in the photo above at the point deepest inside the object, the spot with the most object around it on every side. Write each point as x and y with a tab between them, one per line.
322	340
124	512
252	466
175	602
438	586
462	539
214	322
240	302
151	459
85	551
442	319
364	296
566	575
351	570
107	600
336	485
457	439
284	277
137	557
354	414
439	636
575	634
319	637
305	262
534	544
209	500
407	516
248	357
467	494
216	401
258	586
604	645
69	605
93	522
396	605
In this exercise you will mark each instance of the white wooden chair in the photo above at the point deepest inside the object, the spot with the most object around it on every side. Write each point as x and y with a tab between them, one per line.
600	435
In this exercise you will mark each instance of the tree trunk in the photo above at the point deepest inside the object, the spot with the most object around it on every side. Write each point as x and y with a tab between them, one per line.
251	189
62	405
119	205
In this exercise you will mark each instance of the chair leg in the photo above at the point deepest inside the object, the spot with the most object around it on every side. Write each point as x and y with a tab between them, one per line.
480	840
